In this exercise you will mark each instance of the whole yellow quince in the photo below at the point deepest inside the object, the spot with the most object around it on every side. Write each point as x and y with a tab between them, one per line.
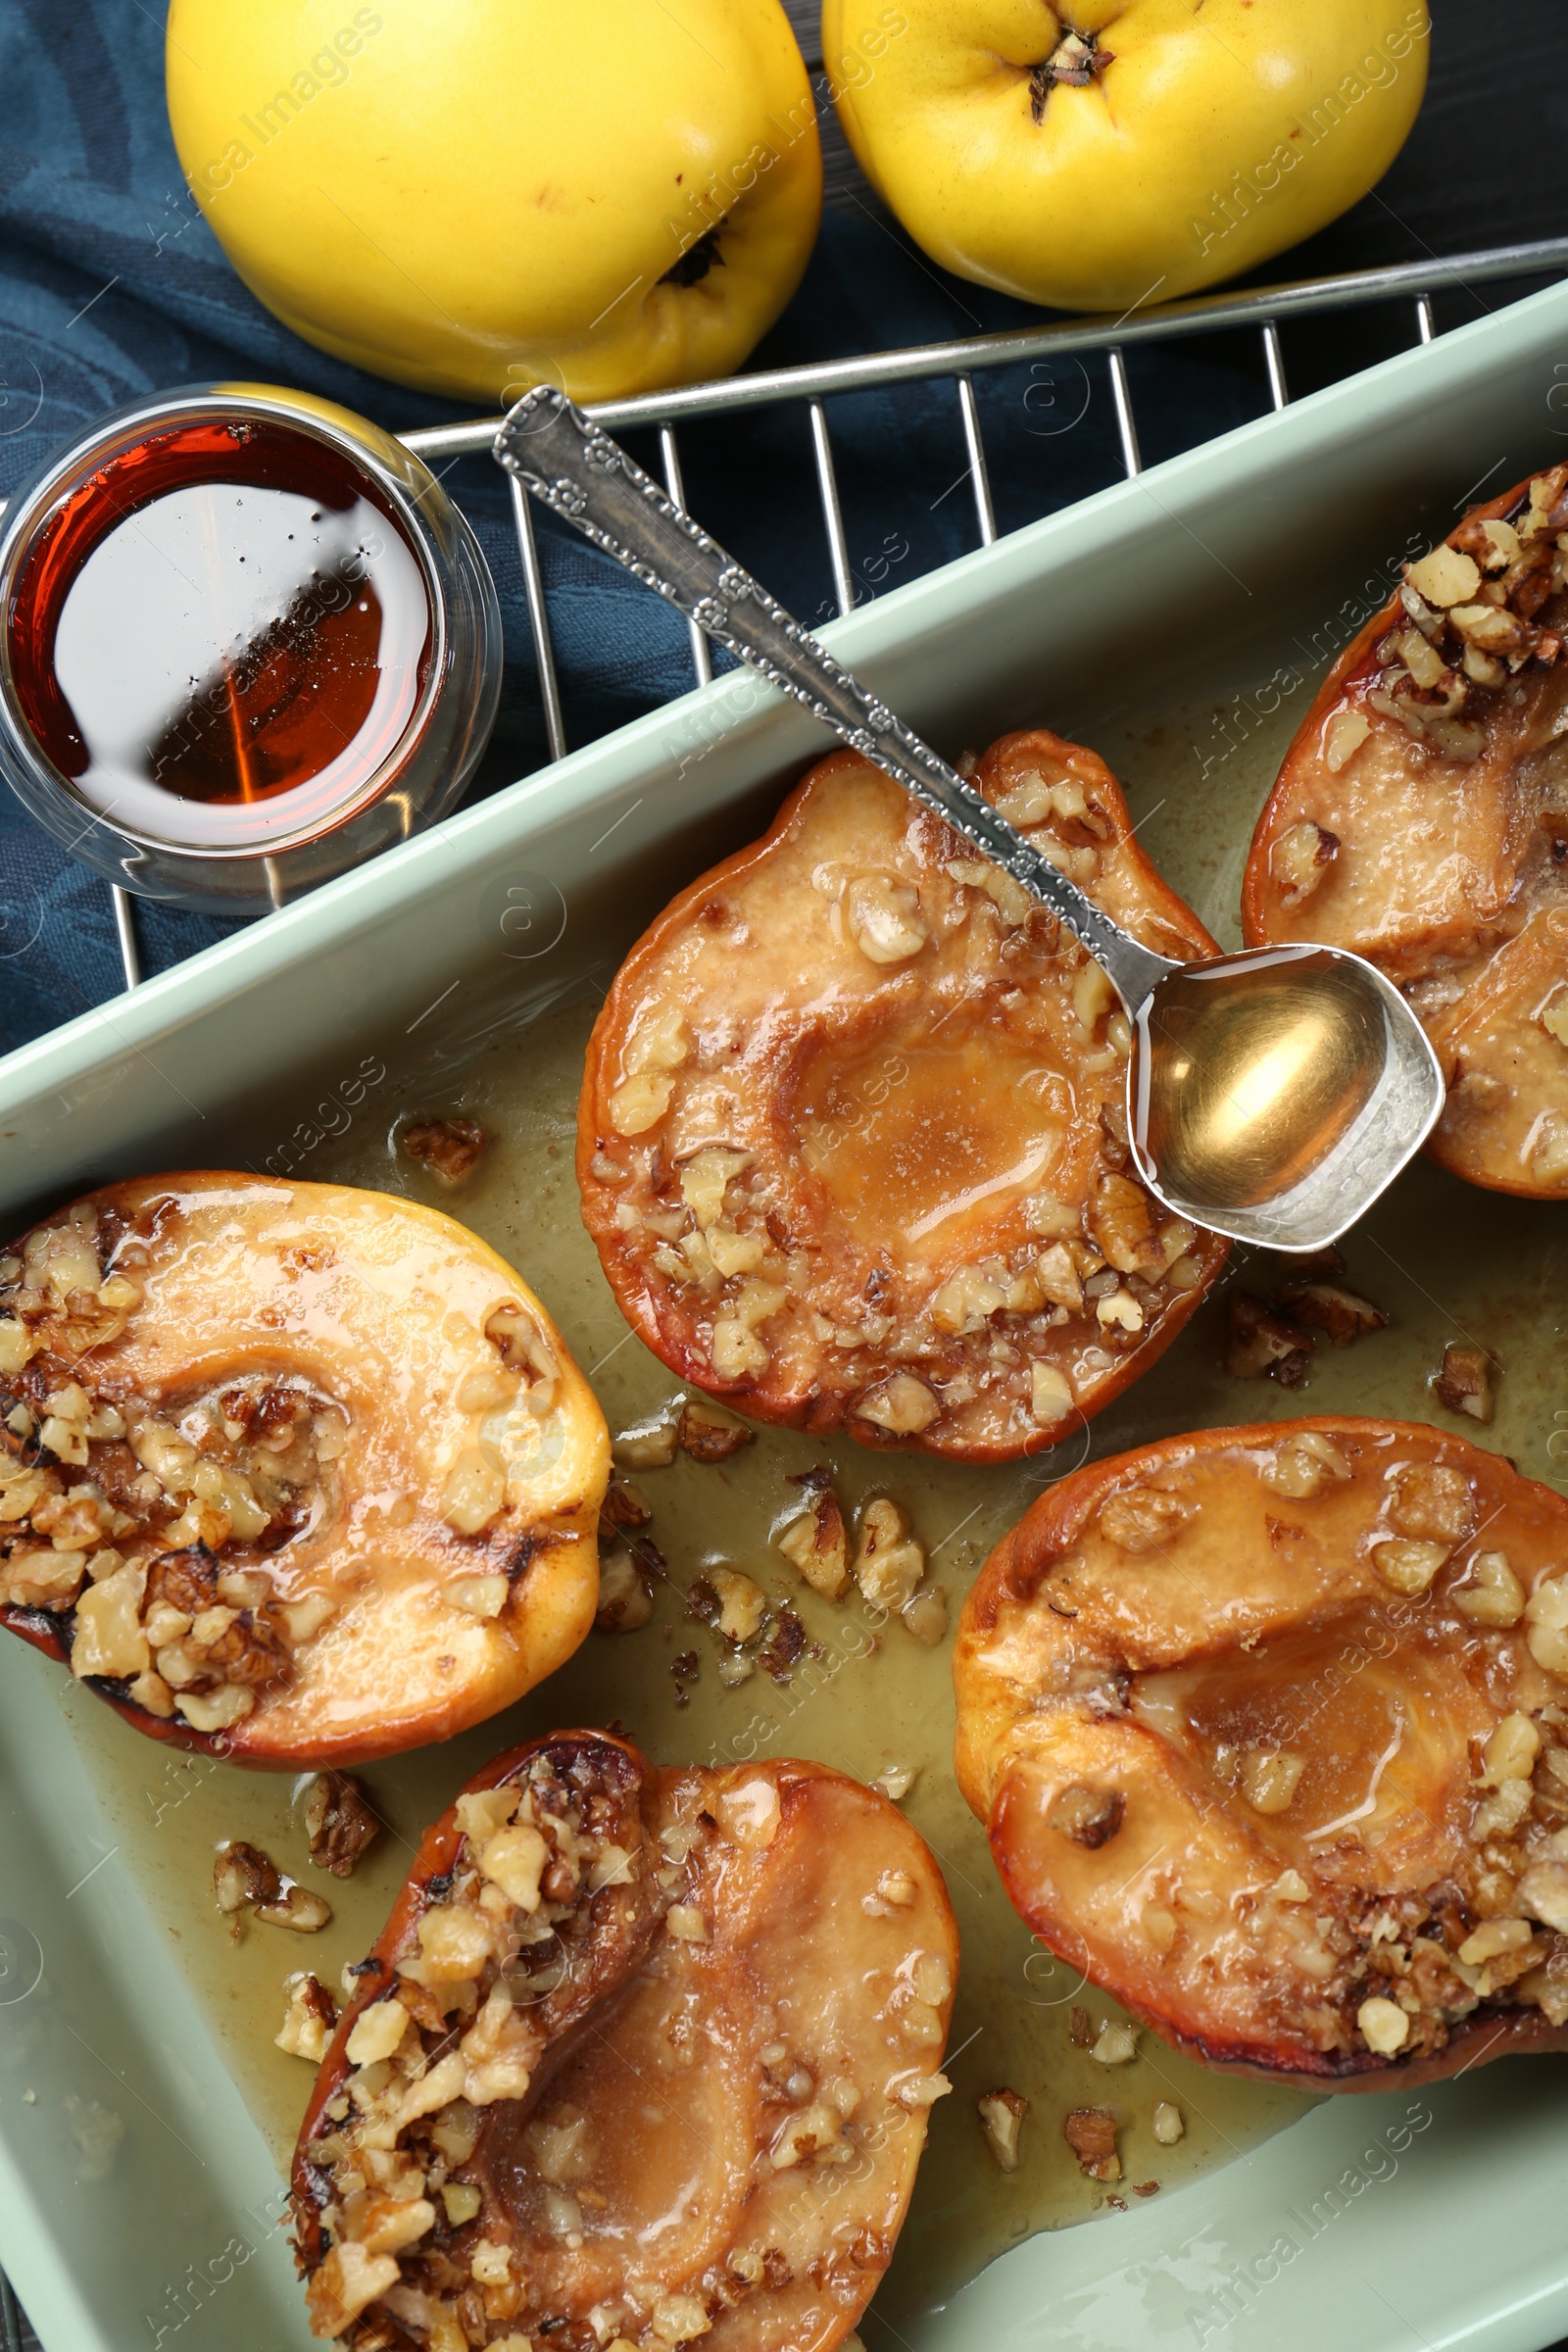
1114	152
608	195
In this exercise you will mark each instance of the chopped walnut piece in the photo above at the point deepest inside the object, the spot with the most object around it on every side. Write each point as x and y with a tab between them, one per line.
253	1650
1168	2124
308	2019
1547	1615
1443	578
625	1598
742	1604
648	1446
926	1615
1408	1566
1002	2114
884	920
1329	1307
1544	1891
1270	1778
244	1879
242	1876
1115	2044
711	1435
450	1148
903	1406
1141	1519
1160	1925
1090	1817
1303	857
1432	1499
349	2278
817	1543
1344	737
297	1907
889	1563
622	1506
1493	1595
1259	1341
1305	1463
1090	2133
786	1643
183	1581
1384	2026
1464	1384
1121	1225
339	1821
1050	1396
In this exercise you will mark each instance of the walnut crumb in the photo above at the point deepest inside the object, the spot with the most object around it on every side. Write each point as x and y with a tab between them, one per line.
450	1148
711	1435
1465	1383
1090	2133
340	1822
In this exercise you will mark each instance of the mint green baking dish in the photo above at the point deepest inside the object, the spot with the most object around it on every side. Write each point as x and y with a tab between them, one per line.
139	2191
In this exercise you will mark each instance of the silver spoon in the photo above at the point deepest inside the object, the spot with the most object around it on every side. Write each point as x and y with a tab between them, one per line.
1271	1096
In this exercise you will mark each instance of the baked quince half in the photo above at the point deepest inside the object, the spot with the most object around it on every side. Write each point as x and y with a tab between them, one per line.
297	1472
1421	819
642	2056
853	1136
1269	1729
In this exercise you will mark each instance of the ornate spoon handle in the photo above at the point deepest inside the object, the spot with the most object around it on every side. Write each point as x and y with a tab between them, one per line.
564	459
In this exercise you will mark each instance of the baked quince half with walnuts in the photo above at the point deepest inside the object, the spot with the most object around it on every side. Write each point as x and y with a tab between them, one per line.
295	1472
853	1137
643	2056
1421	819
1269	1730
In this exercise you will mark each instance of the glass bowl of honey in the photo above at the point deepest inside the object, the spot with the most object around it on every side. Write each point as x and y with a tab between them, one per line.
249	643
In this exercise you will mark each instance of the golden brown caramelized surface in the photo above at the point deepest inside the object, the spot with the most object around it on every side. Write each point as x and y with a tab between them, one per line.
298	1469
1269	1727
852	1143
643	2056
1421	817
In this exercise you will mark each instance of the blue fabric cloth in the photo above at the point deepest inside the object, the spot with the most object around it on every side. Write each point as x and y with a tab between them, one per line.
112	285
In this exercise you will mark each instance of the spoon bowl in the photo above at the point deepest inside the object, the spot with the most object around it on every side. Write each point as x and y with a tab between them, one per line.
1271	1096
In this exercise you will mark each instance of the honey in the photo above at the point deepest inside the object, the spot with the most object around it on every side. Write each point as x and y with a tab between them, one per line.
221	634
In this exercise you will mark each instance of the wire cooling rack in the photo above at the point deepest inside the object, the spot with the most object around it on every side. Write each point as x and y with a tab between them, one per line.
1413	287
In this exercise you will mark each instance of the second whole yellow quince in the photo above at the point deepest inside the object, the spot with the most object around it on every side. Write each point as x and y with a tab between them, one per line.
610	196
1112	152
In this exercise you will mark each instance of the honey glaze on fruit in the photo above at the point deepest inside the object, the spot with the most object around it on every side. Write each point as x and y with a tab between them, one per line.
1271	1732
853	1139
222	630
301	1471
642	2056
1421	817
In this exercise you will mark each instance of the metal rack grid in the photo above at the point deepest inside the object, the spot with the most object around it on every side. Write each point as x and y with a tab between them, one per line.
1264	309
